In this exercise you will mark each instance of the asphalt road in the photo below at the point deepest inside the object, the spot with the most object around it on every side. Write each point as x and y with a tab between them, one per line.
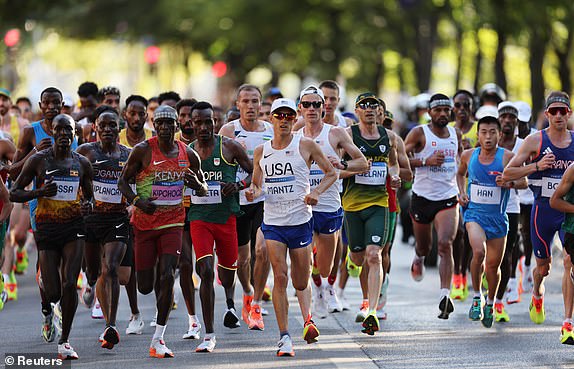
411	337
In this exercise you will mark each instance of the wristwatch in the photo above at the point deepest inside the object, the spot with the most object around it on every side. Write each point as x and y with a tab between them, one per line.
424	162
344	164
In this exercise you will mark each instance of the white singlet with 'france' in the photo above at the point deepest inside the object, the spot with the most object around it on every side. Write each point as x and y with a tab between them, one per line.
330	200
250	140
286	183
437	183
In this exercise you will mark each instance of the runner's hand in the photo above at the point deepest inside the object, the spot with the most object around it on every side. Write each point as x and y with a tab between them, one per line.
463	199
191	181
86	207
44	144
49	189
228	188
312	198
502	183
146	205
395	182
252	193
336	162
546	161
436	159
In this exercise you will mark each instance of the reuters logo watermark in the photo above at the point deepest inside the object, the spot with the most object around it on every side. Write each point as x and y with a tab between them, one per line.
35	360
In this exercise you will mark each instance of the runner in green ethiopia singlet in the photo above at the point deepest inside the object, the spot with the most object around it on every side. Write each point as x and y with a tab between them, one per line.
367	189
568	225
215	208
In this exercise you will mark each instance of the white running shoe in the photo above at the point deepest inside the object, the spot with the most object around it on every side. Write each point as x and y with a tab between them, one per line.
88	295
66	352
512	295
193	333
344	303
207	345
264	311
384	288
136	324
319	308
152	323
527	279
333	303
381	313
285	346
97	312
159	350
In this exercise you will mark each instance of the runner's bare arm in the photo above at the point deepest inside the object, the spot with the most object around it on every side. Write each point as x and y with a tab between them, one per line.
557	200
240	156
518	184
86	183
312	152
194	178
24	151
461	176
255	190
133	166
516	168
358	162
7	204
227	130
414	142
32	168
406	173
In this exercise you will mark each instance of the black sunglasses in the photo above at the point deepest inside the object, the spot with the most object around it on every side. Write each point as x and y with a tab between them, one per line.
284	116
558	109
368	105
459	105
308	104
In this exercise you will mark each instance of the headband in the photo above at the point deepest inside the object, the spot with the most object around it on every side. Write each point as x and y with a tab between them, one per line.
557	99
441	102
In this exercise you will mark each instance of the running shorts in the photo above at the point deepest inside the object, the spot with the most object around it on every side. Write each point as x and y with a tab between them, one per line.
327	223
494	225
149	245
294	237
249	222
423	211
544	223
54	236
224	236
103	229
367	227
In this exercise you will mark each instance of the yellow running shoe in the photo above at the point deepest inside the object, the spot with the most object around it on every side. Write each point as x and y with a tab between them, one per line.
21	260
566	334
11	287
500	313
537	314
310	331
456	291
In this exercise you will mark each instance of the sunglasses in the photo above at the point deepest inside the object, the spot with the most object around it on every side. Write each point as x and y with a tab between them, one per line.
368	105
558	109
459	105
308	104
284	116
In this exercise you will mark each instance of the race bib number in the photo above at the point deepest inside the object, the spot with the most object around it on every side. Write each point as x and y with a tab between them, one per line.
67	188
167	193
107	191
485	194
549	186
213	194
279	189
376	176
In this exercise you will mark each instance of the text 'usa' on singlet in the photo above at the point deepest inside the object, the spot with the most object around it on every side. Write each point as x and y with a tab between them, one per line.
368	189
485	196
163	180
286	183
250	140
330	200
437	183
543	183
214	208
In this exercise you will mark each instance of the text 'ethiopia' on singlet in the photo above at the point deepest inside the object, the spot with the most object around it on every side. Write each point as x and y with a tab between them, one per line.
330	200
368	189
544	182
250	140
286	183
163	180
437	183
485	196
214	208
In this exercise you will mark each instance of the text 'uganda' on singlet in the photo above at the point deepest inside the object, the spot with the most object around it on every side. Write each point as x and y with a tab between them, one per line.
437	183
368	189
330	200
250	140
286	183
214	208
162	179
485	196
543	183
107	170
63	207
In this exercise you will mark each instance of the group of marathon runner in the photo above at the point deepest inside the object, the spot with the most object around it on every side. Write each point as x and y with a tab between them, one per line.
138	196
